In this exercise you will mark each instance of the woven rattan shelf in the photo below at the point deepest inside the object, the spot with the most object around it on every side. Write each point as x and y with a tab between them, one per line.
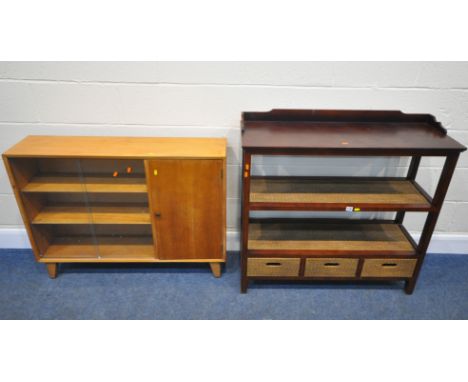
280	248
350	237
336	193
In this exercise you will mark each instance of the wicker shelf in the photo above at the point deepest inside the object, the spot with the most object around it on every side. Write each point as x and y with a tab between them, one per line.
319	193
128	214
95	184
339	237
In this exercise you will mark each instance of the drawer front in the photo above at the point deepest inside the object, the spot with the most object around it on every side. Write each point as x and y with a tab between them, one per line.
330	267
273	267
388	267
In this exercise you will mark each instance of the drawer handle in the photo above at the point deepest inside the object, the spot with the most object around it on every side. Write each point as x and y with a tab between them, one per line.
331	264
389	265
273	264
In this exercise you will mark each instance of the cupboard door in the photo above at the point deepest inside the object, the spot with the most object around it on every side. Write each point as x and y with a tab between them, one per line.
187	204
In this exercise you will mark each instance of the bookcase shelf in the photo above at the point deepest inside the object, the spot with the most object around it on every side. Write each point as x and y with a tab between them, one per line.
101	248
95	184
93	215
312	249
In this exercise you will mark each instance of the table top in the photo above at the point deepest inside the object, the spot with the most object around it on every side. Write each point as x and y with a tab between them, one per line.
118	147
338	131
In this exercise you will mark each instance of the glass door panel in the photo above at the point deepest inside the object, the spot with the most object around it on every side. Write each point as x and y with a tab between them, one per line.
54	194
117	196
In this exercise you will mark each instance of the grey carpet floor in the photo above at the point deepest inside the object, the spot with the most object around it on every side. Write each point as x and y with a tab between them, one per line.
114	291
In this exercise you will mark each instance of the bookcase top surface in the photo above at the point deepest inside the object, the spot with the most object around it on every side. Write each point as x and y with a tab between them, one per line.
343	130
118	147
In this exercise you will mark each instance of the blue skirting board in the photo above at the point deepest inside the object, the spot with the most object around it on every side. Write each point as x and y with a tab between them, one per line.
162	291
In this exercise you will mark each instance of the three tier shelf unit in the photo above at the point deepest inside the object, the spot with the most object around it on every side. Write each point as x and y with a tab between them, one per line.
309	249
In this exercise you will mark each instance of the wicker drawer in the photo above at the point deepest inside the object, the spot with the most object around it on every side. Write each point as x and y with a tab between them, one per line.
273	267
330	267
388	268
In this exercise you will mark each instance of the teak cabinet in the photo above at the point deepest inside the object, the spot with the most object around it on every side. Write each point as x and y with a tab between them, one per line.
349	248
119	199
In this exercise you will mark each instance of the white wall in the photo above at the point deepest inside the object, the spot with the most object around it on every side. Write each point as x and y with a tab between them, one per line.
207	98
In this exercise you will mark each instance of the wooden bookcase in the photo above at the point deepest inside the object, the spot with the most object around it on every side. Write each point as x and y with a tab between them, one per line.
345	249
121	199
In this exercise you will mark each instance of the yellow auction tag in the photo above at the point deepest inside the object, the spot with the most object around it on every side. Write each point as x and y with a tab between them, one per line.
155	172
357	209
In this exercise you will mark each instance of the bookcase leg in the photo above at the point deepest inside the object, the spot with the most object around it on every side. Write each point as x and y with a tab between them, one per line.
409	286
245	215
52	269
423	244
431	219
244	284
216	269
